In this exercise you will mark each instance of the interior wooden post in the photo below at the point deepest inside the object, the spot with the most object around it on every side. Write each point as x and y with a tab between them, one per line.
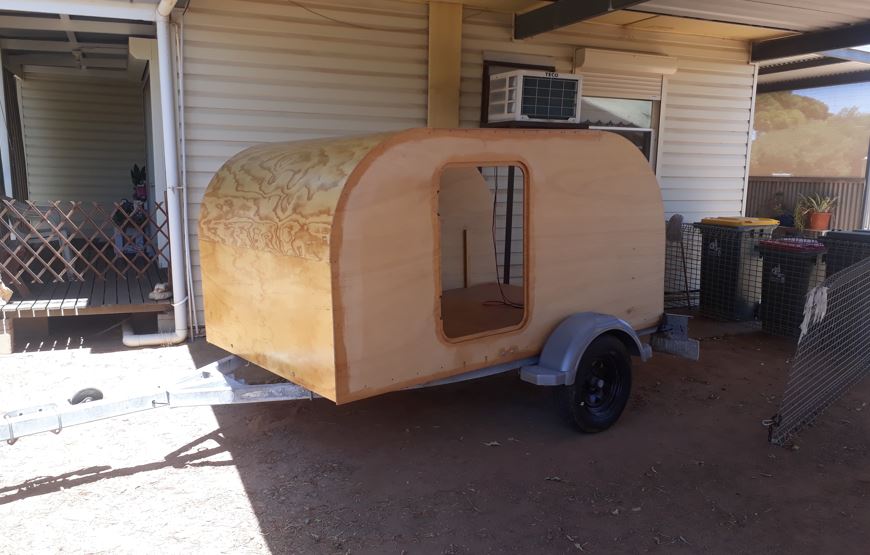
445	53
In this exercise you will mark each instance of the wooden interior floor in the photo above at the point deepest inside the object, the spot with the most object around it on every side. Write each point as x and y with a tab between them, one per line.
480	308
115	294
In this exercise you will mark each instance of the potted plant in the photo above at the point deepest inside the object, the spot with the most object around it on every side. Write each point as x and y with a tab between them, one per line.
813	212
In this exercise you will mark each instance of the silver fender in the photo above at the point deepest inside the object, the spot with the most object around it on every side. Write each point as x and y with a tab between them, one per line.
563	350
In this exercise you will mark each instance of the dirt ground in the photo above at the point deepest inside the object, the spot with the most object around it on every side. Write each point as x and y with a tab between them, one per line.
475	467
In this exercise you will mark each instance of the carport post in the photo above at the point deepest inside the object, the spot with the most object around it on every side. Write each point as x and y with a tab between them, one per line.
4	136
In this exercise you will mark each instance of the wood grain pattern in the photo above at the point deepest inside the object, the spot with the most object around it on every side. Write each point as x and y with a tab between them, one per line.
280	198
275	311
321	259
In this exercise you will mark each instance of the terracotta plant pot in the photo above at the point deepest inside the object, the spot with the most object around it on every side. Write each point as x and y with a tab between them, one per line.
818	221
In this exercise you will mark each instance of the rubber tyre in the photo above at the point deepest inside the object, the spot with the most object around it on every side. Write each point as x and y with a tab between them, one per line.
596	399
86	396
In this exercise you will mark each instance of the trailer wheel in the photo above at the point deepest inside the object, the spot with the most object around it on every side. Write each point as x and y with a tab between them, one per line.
86	396
601	388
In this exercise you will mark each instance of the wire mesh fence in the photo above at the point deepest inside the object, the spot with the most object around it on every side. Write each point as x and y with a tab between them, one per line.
833	352
758	274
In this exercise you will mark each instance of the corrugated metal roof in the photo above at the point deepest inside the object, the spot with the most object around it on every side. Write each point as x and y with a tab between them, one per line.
792	15
807	73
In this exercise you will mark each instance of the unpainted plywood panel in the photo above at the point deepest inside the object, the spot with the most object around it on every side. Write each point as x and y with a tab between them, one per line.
609	260
274	290
275	311
264	235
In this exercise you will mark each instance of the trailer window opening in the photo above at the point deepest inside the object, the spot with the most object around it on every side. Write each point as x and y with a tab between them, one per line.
481	217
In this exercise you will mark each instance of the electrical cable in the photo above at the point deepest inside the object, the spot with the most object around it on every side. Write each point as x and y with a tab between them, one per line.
342	22
504	298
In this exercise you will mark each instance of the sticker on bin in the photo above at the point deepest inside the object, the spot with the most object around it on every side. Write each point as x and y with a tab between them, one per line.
794	244
737	221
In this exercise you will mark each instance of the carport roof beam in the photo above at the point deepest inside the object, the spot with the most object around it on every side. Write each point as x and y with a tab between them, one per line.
563	13
8	21
110	9
810	43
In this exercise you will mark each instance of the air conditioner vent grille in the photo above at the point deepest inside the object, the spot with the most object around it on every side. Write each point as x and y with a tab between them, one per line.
534	96
549	98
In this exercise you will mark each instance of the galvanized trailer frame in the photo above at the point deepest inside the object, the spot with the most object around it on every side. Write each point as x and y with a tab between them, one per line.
217	384
213	384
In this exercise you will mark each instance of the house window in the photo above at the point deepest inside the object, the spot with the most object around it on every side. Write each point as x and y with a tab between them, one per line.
633	119
483	254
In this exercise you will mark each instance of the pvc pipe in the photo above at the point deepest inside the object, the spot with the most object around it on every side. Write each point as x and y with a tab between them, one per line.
173	208
131	339
193	319
165	7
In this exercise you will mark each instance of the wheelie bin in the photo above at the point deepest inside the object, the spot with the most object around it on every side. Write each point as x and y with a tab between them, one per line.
792	266
845	248
731	266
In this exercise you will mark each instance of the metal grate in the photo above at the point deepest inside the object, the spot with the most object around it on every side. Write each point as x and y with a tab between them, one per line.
549	97
833	351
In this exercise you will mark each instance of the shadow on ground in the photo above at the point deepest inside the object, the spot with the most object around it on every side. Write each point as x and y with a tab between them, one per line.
486	466
194	454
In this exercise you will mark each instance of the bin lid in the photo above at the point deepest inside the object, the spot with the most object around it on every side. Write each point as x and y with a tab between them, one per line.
740	221
857	236
794	244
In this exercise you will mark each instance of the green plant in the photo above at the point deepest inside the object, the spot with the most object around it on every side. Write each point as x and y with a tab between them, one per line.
812	203
138	175
818	203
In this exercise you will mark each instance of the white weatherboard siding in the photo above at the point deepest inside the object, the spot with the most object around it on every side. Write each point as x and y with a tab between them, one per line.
258	71
81	137
706	107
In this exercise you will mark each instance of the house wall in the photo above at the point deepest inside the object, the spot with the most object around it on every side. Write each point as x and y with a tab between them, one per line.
261	71
81	137
257	71
705	109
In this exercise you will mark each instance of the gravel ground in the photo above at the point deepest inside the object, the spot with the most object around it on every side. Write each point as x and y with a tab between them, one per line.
476	467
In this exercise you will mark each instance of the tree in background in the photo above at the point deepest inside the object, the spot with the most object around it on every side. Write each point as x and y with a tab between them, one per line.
798	135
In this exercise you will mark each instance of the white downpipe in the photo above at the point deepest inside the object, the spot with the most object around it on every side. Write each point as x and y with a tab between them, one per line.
170	155
165	7
193	319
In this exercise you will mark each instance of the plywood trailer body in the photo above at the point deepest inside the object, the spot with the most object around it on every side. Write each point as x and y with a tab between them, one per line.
322	260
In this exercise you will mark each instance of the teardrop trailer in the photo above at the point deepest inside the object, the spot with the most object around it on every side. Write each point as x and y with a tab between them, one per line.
359	266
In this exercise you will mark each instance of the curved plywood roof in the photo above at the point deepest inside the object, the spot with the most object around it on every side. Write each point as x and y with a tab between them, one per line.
281	197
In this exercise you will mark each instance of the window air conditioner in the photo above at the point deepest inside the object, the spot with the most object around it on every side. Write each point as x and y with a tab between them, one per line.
524	95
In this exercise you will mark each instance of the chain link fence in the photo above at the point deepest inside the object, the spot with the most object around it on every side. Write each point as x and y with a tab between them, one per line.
833	351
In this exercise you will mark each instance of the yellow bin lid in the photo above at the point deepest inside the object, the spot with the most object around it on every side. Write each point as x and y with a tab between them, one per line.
739	221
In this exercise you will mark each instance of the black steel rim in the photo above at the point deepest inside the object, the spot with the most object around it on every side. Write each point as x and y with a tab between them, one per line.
601	388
